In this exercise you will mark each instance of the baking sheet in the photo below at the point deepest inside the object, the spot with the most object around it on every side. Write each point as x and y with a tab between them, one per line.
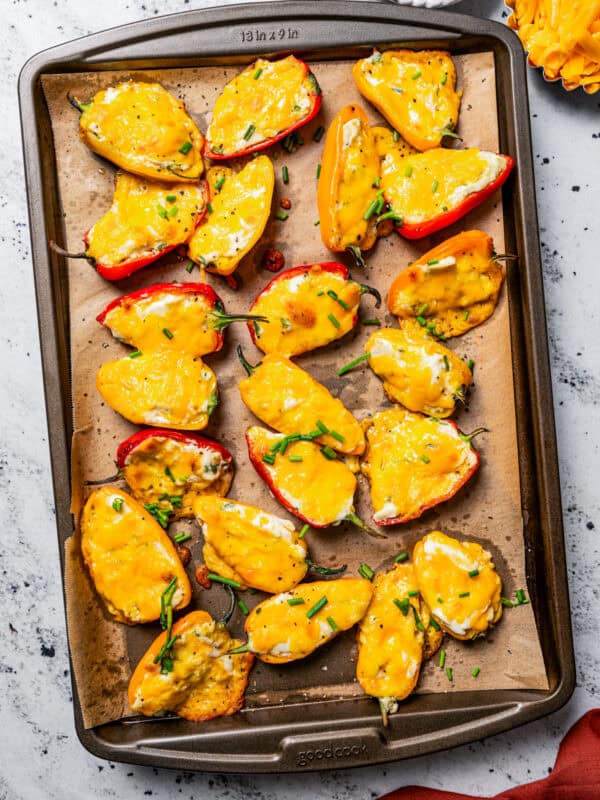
488	509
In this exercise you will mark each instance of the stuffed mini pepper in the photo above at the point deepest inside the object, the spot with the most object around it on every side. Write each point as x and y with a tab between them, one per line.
143	129
266	102
307	307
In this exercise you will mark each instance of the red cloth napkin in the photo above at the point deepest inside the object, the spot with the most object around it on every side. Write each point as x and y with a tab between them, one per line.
576	773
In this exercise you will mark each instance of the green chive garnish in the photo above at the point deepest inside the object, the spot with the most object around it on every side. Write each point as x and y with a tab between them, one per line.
269	458
337	436
521	597
401	557
182	537
396	136
162	212
377	183
473	573
317	222
329	453
281	215
449	674
339	300
418	624
322	427
413	593
285	175
209	208
117	503
507	603
446	363
243	607
135	354
425	459
295	601
173	211
167	333
365	571
316	608
190	266
470	364
243	648
219	183
185	148
465	594
304	531
466	315
434	186
391	214
170	198
318	134
444	78
442	658
434	624
212	576
351	364
318	171
475	672
416	75
402	604
371	322
257	74
372	208
295	459
408	172
332	624
249	131
334	321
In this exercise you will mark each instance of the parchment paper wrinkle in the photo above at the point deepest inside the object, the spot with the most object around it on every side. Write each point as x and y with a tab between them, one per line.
488	509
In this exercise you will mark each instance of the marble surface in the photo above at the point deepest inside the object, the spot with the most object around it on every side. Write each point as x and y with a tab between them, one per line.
40	754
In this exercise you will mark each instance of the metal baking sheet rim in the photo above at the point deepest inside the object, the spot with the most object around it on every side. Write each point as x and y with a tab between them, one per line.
359	739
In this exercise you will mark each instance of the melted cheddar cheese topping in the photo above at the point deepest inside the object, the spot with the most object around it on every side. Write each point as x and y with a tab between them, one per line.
415	92
141	322
142	221
459	583
316	488
426	185
160	388
562	37
390	646
260	548
204	683
161	466
454	287
130	558
287	398
268	97
240	212
300	311
385	142
417	371
413	463
279	632
145	130
347	184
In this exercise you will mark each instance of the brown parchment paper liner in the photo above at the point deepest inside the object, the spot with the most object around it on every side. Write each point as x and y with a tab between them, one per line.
488	509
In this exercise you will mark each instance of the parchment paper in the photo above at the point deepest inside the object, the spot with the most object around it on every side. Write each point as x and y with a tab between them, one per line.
488	509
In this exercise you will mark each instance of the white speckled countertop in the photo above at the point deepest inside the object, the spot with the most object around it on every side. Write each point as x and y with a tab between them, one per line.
41	758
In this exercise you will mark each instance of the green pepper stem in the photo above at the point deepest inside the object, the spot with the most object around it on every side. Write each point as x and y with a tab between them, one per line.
81	107
117	477
229	613
244	362
468	437
62	252
325	570
356	520
219	320
358	258
364	289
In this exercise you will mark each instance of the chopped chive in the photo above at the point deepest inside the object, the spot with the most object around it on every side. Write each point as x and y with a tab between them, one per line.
377	183
269	458
173	211
334	321
391	214
281	215
442	658
444	78
371	322
295	459
329	453
332	624
318	171
507	603
351	364
169	474
466	315
416	75
433	623
465	594
258	73
135	354
470	364
285	175
212	576
243	607
401	557
440	601
318	134
190	266
337	436
475	672
162	211
321	293
170	198
413	593
425	459
418	624
209	208
304	531
421	320
396	136
473	573
372	208
249	131
366	572
167	333
219	183
408	172
402	604
339	300
185	148
521	597
117	503
317	222
179	538
322	427
434	186
433	261
449	674
243	648
444	208
295	601
316	608
446	363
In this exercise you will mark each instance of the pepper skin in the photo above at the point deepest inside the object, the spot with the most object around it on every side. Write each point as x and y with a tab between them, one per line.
317	490
205	681
452	288
308	307
142	224
417	371
162	389
170	317
459	583
280	632
262	105
414	91
413	463
347	189
238	214
143	129
261	550
390	643
429	191
284	396
117	533
161	465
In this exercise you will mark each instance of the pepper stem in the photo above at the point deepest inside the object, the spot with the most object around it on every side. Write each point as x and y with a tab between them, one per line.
357	255
229	613
325	570
504	257
81	107
468	437
387	705
244	362
219	320
111	479
364	289
62	252
356	520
